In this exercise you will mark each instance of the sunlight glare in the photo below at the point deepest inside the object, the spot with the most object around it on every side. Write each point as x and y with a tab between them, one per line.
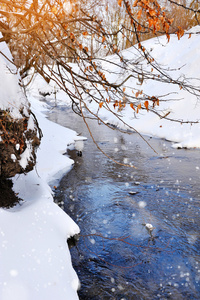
67	6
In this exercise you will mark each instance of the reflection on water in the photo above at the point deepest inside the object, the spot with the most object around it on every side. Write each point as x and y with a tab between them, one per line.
115	257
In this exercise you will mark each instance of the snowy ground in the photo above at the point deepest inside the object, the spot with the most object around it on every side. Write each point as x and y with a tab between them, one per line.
183	58
35	261
180	59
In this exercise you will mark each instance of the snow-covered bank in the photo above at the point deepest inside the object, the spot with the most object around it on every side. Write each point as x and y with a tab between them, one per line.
35	261
180	60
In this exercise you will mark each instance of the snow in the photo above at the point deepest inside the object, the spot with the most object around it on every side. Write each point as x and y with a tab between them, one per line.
52	164
25	155
11	98
180	58
35	261
13	157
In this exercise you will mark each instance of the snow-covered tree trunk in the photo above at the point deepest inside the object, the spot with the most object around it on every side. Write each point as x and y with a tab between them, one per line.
19	131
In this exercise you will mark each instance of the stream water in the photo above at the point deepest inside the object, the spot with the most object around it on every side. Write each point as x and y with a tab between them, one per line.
116	257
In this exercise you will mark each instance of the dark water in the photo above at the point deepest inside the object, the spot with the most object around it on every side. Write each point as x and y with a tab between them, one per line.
116	258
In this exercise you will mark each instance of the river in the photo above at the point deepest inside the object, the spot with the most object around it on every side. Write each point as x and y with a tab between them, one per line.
116	257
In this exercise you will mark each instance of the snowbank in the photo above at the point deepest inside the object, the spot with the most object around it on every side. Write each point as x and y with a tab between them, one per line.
180	59
35	261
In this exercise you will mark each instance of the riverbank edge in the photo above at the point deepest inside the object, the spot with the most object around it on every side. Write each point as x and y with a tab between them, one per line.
36	228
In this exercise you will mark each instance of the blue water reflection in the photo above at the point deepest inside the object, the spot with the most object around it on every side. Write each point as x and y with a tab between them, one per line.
115	257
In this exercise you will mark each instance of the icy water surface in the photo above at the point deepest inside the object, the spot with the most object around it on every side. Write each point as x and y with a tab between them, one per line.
116	258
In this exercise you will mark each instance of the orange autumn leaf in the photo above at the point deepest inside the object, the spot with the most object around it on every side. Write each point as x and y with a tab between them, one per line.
85	33
139	14
139	107
150	22
65	26
54	10
166	27
135	3
103	39
91	68
100	104
146	104
132	106
152	12
103	76
137	94
168	37
180	32
115	104
119	2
